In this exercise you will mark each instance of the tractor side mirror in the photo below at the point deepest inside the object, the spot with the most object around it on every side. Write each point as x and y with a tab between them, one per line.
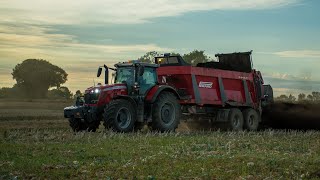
140	70
99	71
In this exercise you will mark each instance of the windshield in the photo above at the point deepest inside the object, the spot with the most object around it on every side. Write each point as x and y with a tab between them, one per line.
124	74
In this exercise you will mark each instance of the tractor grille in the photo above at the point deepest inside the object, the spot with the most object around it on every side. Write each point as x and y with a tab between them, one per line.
91	98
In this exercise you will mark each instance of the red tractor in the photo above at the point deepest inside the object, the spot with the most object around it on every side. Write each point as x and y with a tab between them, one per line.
228	92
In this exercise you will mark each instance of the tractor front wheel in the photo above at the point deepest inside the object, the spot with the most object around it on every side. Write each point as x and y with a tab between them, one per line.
120	115
77	125
93	126
166	112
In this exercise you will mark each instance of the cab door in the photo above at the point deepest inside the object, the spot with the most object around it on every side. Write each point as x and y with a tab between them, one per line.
147	80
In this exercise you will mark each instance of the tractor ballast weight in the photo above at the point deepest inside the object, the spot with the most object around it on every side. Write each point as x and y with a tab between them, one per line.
228	91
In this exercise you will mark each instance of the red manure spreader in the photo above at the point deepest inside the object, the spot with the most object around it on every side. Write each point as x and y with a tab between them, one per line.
228	92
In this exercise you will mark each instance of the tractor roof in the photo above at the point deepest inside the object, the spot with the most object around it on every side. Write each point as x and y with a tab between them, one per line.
134	63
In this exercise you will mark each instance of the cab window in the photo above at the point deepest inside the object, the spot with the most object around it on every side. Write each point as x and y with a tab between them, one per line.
149	76
124	75
148	79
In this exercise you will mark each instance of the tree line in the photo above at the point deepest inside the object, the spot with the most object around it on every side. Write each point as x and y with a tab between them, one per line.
314	97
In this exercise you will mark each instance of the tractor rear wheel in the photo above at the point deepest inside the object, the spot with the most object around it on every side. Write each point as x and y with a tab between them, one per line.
77	125
251	119
235	120
120	115
166	112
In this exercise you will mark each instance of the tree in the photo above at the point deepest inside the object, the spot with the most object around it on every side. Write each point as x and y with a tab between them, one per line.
291	98
316	96
301	97
195	57
283	97
6	92
174	54
149	57
61	92
35	76
310	97
78	94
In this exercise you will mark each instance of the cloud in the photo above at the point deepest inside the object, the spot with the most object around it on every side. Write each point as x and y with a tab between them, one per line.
119	11
299	54
23	41
27	30
40	42
295	92
285	76
292	84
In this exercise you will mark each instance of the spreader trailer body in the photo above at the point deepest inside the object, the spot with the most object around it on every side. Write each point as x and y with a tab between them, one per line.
228	91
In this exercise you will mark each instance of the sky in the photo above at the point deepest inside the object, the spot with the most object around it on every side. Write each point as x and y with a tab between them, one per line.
80	35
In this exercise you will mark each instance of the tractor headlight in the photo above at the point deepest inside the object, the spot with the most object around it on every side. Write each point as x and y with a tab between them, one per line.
96	91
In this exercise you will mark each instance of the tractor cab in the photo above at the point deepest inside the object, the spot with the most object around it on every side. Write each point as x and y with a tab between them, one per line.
137	76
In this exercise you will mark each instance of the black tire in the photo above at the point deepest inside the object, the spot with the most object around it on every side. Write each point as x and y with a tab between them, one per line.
120	115
251	119
106	123
77	125
166	112
138	126
235	120
93	126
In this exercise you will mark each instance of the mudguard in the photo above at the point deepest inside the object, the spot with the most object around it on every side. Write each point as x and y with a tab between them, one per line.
130	99
154	92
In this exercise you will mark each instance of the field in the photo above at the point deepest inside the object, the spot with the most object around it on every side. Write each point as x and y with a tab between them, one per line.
36	142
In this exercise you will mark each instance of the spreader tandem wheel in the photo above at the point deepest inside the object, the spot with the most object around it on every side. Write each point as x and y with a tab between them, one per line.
235	120
251	119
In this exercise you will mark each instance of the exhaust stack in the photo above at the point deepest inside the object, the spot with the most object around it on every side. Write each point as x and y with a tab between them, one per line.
106	73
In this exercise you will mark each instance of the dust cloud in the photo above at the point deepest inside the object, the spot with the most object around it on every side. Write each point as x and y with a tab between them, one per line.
282	115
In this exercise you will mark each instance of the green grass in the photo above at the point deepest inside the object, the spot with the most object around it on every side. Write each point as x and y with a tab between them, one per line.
36	142
55	154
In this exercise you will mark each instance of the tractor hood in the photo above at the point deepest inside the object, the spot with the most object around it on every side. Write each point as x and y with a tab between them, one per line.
99	88
113	87
103	94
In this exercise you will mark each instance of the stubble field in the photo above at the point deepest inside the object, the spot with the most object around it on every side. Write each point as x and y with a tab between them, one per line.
36	142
